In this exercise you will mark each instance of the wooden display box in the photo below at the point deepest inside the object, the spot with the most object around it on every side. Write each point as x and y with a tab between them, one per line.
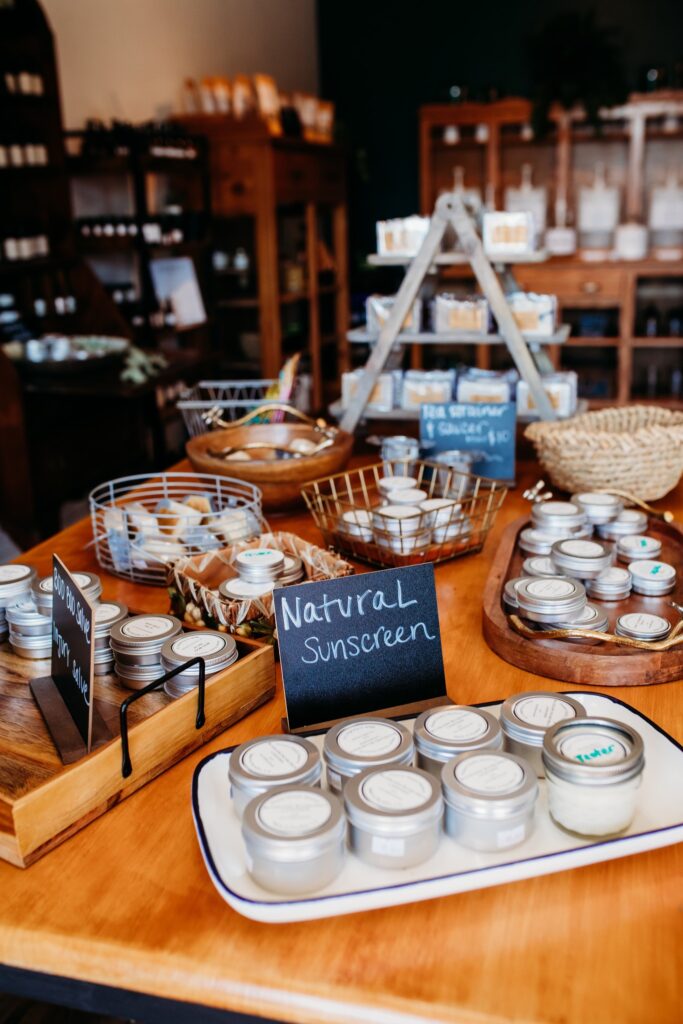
43	802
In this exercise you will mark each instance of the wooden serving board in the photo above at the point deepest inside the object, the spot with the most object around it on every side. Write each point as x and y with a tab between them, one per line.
588	664
43	802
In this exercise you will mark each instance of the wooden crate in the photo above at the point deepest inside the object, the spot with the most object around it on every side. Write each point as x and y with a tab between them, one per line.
43	802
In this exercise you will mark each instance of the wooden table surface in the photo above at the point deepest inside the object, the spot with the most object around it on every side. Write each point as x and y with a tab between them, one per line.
128	903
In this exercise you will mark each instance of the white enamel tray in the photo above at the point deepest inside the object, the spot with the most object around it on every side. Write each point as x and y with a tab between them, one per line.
452	869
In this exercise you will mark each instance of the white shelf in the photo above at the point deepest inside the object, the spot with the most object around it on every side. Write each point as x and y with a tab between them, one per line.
361	336
449	259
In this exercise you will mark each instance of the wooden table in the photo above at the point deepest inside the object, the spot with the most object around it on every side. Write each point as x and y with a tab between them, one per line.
127	903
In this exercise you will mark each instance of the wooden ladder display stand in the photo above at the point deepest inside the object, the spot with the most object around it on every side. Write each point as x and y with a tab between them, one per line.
449	211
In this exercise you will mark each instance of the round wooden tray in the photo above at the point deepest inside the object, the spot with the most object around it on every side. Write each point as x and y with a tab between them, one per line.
601	664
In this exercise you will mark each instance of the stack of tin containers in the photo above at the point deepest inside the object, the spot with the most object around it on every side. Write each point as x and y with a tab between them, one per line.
136	645
260	571
218	650
15	582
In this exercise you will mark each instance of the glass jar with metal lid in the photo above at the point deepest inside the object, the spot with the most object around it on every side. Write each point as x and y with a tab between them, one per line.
593	768
590	617
490	798
643	626
237	589
547	599
631	520
536	542
540	565
636	547
24	619
356	523
218	651
584	559
526	717
15	581
442	733
294	839
137	641
358	743
557	516
652	578
510	592
394	815
260	565
598	506
270	762
613	584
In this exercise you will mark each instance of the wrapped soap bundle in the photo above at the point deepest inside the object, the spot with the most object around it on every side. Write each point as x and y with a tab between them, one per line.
421	386
382	397
561	389
453	313
475	385
535	315
378	308
401	236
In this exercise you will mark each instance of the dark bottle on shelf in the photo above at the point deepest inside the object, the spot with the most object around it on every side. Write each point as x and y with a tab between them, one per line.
675	322
650	322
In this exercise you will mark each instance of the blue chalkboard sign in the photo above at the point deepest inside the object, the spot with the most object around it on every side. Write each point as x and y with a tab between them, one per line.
486	427
359	644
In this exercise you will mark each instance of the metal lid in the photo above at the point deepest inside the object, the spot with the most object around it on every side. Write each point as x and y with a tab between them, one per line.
15	579
536	542
25	613
269	761
556	594
217	649
238	589
557	514
510	591
540	565
293	823
441	733
358	743
636	547
293	569
643	626
651	577
599	506
609	580
631	520
581	555
144	634
527	716
590	617
107	614
87	582
489	783
259	565
407	496
593	751
398	800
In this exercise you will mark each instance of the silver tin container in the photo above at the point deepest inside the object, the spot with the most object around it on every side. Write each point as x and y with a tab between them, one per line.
36	648
294	839
547	599
536	542
218	651
107	615
358	743
394	816
635	548
443	733
238	589
557	516
598	506
88	583
490	798
356	523
15	581
24	619
593	768
510	593
104	668
270	762
526	717
631	520
613	584
460	528
540	565
398	520
441	511
652	578
293	571
406	545
584	559
643	626
590	617
139	639
136	678
260	565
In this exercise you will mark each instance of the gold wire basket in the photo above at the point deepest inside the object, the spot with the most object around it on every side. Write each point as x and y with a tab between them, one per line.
427	536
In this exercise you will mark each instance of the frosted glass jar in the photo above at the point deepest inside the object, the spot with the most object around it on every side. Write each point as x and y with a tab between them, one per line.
394	816
359	743
593	767
442	733
294	839
490	798
526	717
268	763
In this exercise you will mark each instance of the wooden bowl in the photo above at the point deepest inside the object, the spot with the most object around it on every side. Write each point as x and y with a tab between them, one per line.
280	479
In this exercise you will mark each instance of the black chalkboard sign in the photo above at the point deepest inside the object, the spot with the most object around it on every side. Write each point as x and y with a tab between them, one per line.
484	427
73	650
359	644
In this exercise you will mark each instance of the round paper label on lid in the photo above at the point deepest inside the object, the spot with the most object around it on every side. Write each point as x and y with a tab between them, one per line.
643	622
368	739
294	814
198	645
274	757
582	548
395	790
106	612
243	588
652	570
456	724
593	748
597	498
489	773
543	711
144	626
14	573
630	515
550	588
557	508
260	556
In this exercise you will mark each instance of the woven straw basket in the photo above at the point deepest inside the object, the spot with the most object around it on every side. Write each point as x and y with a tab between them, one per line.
637	448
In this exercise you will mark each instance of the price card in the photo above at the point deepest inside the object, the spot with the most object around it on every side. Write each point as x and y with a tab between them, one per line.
73	648
487	428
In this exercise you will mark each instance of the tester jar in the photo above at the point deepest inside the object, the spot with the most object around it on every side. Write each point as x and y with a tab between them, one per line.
260	565
548	599
652	578
636	547
584	559
270	762
593	767
294	839
394	816
443	733
490	799
359	743
526	717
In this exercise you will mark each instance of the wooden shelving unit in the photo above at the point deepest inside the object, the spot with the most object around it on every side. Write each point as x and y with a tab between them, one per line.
260	185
